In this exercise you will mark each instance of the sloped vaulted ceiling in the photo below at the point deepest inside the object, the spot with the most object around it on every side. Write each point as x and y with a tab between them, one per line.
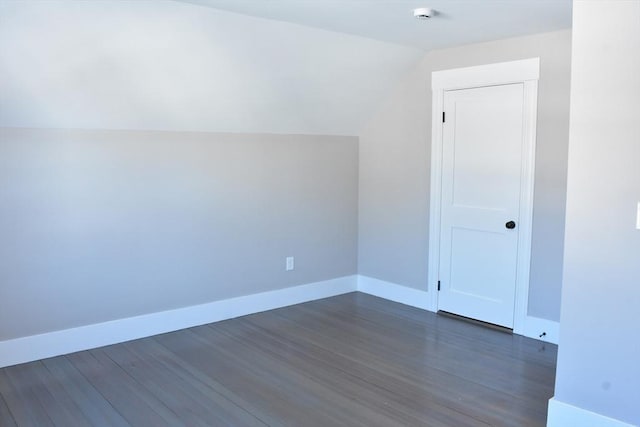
297	66
167	65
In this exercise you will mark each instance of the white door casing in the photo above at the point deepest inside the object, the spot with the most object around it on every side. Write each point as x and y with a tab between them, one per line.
470	211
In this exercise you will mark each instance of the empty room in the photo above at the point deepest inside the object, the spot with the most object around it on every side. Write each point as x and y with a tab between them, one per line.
320	213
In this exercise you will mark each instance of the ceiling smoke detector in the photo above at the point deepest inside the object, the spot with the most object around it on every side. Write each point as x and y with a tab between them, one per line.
423	13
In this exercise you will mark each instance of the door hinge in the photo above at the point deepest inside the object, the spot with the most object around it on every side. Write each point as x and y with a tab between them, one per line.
438	284
443	117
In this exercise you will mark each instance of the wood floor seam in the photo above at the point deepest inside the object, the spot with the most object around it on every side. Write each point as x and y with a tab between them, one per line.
249	410
96	390
374	385
453	373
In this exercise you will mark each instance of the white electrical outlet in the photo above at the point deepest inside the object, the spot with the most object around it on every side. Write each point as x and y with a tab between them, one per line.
289	264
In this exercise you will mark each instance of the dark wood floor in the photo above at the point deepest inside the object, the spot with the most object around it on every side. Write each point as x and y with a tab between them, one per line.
351	360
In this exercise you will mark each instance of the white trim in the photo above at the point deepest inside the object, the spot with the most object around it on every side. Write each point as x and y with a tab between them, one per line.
526	204
535	326
435	199
526	72
562	415
486	75
36	347
393	292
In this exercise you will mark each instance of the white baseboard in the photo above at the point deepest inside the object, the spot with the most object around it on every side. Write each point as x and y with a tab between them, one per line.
394	292
564	415
36	347
534	327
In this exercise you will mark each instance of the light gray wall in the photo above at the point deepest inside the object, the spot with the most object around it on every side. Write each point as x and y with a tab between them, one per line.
101	225
395	162
599	353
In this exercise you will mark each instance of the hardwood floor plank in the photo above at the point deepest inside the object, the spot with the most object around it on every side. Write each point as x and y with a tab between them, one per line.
22	399
130	399
95	408
59	408
457	332
490	356
422	382
284	397
198	378
497	372
341	378
6	419
353	360
335	393
194	405
366	343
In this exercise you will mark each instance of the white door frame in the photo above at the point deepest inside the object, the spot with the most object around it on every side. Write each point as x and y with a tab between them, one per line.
526	72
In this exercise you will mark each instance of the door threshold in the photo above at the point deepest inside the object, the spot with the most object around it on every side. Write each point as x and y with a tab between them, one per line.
476	322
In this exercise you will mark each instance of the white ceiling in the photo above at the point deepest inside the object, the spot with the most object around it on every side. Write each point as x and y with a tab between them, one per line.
457	21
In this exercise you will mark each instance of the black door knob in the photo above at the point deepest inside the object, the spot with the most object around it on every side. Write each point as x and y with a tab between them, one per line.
510	225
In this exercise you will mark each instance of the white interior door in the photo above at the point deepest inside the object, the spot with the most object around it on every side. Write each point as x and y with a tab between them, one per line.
482	158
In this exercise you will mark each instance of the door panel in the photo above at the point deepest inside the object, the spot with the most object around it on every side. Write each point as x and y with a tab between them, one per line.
482	163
